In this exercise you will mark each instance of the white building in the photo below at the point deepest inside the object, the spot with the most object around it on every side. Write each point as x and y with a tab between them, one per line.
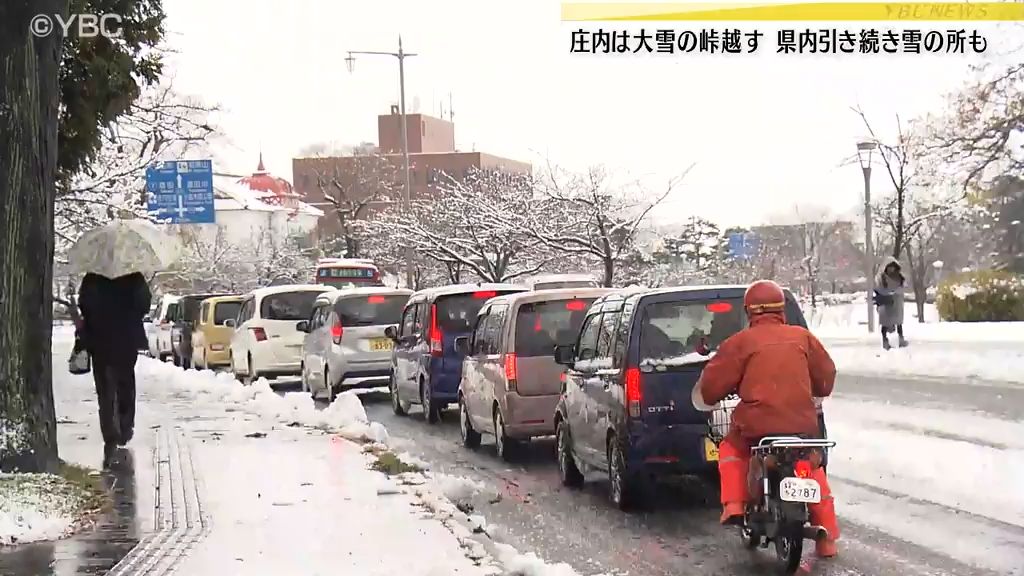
257	208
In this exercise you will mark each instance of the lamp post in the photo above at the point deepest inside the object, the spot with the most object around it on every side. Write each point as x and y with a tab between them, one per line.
864	150
350	62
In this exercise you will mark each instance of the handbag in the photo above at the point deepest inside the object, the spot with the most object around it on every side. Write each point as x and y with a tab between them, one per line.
80	361
883	299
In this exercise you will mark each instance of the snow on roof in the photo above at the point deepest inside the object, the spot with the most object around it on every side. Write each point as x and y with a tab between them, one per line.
233	194
268	290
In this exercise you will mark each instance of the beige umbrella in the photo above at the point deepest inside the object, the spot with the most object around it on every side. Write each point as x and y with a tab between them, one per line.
123	247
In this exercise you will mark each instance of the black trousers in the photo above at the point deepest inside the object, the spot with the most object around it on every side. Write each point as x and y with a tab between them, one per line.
115	393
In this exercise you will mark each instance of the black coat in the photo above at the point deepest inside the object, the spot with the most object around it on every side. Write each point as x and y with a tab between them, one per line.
112	313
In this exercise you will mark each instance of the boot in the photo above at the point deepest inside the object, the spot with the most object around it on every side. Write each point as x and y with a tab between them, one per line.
885	343
732	514
903	342
825	548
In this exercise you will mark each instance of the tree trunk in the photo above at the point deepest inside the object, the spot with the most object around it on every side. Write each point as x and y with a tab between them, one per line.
918	281
609	271
29	101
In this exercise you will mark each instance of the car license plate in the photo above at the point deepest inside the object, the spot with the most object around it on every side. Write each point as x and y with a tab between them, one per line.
380	345
800	490
710	450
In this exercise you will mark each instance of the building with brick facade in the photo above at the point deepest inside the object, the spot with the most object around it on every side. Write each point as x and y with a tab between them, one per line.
360	183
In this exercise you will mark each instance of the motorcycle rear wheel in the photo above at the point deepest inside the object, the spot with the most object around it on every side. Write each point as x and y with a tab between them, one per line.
789	547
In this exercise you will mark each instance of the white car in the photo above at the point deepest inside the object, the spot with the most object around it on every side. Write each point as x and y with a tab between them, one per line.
345	344
158	333
556	281
266	342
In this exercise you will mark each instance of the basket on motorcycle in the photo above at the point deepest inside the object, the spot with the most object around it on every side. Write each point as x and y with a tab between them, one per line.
720	417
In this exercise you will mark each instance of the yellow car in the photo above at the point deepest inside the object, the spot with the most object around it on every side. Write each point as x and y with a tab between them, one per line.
211	339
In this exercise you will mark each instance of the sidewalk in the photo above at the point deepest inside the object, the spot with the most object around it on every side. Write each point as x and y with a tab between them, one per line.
218	490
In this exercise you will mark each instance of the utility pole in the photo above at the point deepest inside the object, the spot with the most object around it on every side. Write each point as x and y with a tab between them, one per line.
401	55
864	150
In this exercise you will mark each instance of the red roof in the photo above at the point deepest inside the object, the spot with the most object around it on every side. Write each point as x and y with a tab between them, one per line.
273	190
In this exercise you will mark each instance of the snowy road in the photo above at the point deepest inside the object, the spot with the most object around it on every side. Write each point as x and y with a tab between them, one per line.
885	532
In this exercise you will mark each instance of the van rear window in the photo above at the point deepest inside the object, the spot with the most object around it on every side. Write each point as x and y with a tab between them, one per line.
293	306
224	310
372	310
540	326
457	313
681	333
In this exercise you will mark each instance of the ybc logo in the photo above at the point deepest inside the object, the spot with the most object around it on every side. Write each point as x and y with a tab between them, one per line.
83	25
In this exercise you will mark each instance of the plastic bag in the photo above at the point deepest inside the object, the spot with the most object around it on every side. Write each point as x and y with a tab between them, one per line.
80	361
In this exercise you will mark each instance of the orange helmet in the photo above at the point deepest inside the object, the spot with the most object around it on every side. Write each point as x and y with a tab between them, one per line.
764	296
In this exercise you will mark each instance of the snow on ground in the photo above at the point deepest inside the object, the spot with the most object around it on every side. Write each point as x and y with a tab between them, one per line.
910	471
36	507
963	350
438	493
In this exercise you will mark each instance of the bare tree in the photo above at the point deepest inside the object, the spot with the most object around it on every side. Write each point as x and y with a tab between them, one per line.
473	224
351	188
583	215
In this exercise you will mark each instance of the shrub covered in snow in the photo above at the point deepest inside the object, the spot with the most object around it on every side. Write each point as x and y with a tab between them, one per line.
36	507
983	296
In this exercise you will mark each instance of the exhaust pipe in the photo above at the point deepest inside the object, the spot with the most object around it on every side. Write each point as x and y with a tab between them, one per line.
815	533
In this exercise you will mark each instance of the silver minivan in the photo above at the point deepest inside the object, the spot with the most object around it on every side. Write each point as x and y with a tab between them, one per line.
510	381
344	344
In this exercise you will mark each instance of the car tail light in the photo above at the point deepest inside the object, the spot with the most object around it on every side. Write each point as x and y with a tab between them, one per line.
561	377
634	392
436	337
576	305
510	371
485	295
719	307
259	334
377	299
802	469
337	331
217	347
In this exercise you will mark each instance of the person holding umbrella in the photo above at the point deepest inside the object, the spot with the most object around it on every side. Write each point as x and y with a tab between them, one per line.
113	299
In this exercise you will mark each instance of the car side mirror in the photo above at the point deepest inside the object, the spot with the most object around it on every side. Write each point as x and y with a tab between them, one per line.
147	319
564	355
462	345
302	326
391	332
230	323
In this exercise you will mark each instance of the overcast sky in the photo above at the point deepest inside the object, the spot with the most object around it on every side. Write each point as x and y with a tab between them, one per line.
766	132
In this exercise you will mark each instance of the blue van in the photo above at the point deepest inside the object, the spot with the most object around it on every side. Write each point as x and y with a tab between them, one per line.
626	405
426	368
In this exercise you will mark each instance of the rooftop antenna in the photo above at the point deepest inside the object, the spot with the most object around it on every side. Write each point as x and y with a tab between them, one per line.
451	109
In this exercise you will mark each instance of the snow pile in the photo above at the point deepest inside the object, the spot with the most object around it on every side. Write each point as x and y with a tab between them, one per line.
35	507
963	291
517	564
345	416
457	489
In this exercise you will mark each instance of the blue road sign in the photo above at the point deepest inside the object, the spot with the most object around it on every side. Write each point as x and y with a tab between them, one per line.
743	245
181	192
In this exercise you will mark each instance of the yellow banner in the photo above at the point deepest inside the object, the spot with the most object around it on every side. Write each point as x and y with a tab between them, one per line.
799	12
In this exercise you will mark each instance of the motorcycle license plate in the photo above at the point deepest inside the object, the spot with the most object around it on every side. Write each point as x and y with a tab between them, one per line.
710	450
800	490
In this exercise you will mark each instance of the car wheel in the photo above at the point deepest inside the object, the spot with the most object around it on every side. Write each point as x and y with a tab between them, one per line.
328	386
430	411
624	489
567	469
504	445
397	406
470	437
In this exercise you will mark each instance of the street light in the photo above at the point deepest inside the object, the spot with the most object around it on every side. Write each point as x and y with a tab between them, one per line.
350	63
864	150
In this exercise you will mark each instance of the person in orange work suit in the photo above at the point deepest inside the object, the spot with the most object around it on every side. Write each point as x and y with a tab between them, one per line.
777	370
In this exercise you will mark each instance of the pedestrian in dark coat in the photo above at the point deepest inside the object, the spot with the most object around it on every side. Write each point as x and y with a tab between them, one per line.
889	295
113	333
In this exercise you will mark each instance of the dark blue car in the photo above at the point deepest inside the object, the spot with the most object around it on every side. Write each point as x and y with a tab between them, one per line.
626	405
426	367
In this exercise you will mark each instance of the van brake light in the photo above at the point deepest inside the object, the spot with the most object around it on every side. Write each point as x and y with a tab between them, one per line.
436	337
576	305
376	299
510	371
634	392
485	295
337	332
